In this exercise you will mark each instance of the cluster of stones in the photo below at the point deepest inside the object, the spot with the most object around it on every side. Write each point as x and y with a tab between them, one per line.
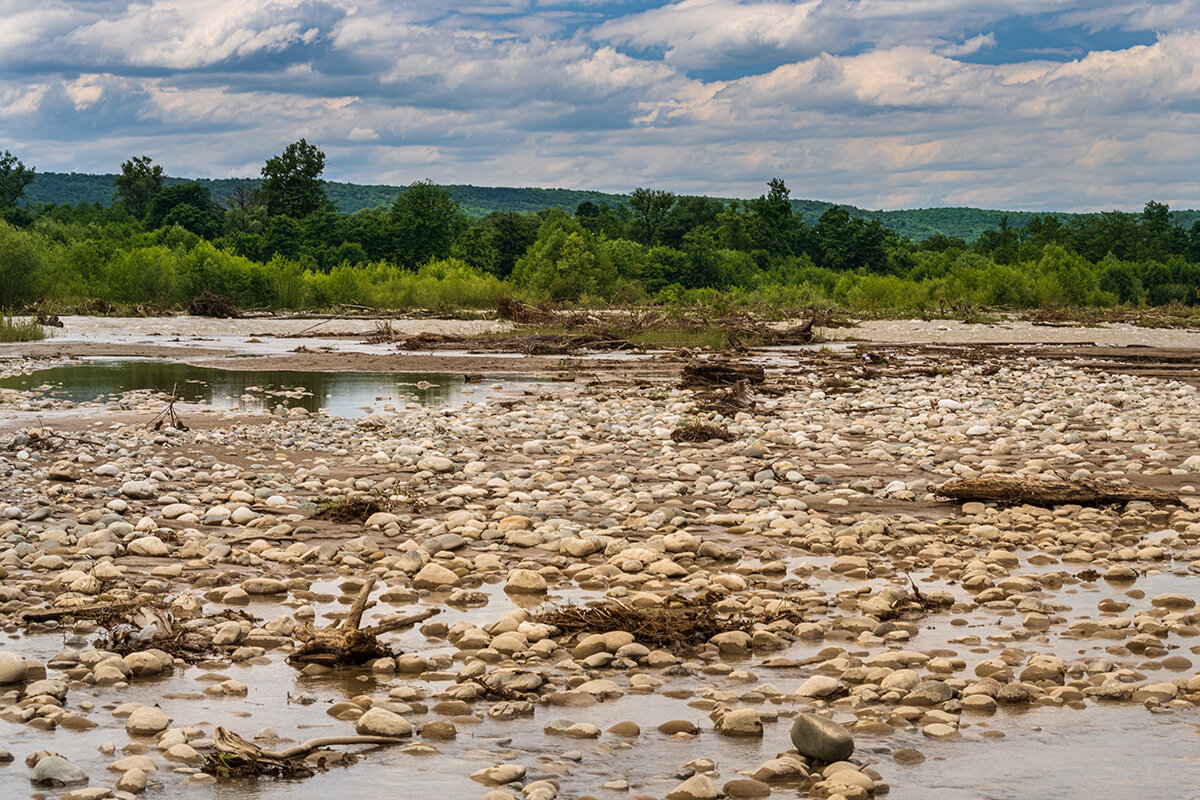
807	526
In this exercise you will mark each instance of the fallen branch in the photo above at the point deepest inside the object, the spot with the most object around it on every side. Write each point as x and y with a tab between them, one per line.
1044	491
169	416
345	643
236	757
720	373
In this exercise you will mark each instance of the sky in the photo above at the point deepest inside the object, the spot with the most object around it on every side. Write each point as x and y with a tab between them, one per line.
1046	105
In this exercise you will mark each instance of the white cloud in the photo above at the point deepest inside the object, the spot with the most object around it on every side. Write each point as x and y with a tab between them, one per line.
868	104
983	41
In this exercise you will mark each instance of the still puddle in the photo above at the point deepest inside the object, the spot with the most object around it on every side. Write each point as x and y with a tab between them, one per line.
345	394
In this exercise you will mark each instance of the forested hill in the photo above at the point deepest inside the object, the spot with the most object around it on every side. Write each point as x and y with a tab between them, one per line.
478	201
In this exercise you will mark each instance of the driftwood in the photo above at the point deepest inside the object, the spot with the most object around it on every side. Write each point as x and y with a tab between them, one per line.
701	432
514	310
720	373
1044	491
684	623
236	757
345	643
208	304
169	416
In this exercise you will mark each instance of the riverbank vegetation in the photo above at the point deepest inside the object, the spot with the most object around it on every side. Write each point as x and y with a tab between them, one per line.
281	245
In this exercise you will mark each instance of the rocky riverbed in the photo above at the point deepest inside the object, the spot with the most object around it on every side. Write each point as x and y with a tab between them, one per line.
874	640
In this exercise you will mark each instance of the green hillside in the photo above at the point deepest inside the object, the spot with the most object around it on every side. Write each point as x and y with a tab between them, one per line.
478	201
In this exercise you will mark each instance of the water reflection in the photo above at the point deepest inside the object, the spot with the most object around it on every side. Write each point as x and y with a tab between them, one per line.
348	394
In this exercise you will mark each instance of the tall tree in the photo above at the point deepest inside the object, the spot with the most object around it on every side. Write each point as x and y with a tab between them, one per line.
188	205
777	229
14	177
650	207
425	223
138	184
292	182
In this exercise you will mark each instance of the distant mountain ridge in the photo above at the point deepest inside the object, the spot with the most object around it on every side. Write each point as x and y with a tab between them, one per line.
477	201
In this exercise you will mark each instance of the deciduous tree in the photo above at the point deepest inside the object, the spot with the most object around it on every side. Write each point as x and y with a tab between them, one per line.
14	177
292	183
138	184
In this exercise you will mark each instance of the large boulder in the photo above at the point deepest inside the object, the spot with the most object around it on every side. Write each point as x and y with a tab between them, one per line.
821	739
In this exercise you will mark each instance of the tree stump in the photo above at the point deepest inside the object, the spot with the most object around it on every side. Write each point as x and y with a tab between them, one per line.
346	643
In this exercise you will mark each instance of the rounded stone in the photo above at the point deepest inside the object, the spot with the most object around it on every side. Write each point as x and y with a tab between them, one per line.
822	739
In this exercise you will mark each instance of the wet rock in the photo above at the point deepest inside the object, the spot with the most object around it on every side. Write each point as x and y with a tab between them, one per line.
908	756
380	722
627	728
929	693
132	781
819	686
785	768
822	739
54	770
739	788
740	722
524	581
434	576
499	774
147	721
697	787
938	730
261	586
439	729
12	668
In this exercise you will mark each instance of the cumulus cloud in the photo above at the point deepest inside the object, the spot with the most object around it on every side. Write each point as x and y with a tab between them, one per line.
983	41
864	101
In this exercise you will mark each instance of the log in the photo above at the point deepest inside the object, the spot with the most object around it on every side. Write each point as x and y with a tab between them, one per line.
347	643
226	741
721	373
237	758
1044	491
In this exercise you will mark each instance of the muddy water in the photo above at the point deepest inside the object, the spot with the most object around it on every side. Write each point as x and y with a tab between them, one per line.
1123	751
345	394
1054	753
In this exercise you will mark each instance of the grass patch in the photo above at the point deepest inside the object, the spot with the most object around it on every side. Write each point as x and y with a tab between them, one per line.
12	330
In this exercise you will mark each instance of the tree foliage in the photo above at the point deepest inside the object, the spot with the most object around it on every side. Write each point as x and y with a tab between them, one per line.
425	223
138	184
14	177
291	182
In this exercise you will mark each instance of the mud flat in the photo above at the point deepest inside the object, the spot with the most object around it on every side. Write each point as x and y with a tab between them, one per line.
609	604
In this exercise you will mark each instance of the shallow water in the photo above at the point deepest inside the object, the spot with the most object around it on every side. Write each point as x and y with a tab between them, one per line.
346	394
1122	752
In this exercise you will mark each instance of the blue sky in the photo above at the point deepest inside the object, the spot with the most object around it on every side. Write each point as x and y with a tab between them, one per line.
1056	104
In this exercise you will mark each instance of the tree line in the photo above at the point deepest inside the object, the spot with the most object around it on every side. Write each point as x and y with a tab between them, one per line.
280	242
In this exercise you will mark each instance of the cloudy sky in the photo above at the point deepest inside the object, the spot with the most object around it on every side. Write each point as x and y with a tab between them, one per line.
1053	104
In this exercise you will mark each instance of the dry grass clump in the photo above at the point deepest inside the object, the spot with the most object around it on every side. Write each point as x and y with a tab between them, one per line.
696	431
353	507
683	624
